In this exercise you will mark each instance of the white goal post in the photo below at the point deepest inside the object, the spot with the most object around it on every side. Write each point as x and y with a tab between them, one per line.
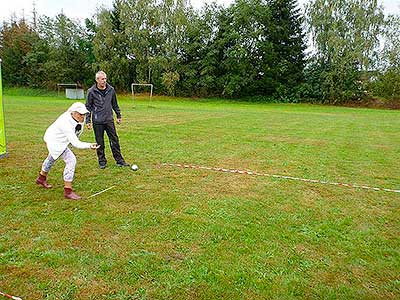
141	84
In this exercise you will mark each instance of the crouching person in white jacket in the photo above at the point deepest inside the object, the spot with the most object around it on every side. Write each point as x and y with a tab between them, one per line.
64	131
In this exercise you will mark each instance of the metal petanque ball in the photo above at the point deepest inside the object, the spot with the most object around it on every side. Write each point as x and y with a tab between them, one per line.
134	167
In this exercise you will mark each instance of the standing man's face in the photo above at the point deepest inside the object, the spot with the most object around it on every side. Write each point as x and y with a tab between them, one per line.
101	81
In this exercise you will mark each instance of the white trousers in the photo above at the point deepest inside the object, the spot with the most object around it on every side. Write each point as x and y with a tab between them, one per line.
70	162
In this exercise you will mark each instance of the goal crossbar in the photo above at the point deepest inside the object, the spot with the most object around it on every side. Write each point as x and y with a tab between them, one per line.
141	84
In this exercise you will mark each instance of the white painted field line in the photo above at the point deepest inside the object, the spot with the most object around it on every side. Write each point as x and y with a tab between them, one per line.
281	177
102	191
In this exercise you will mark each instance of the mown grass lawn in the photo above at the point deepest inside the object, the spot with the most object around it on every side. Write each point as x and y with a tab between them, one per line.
171	233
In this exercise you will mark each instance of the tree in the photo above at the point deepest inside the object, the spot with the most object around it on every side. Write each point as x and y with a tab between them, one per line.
17	41
237	56
387	83
67	52
173	17
241	29
155	32
140	19
288	40
252	48
111	46
201	55
345	37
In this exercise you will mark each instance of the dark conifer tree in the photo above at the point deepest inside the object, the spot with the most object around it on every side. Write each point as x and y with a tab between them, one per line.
289	44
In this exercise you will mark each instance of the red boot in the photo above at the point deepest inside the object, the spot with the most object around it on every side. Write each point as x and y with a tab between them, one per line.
41	180
69	194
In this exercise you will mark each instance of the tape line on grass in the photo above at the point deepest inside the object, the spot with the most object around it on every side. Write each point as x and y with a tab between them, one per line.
356	186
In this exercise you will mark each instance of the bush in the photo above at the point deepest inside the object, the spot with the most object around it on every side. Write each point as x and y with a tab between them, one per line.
387	85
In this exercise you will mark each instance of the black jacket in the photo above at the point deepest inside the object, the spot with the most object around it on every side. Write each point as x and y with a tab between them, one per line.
100	107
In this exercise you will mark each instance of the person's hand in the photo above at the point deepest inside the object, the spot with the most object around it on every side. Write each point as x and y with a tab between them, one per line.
119	120
89	125
94	146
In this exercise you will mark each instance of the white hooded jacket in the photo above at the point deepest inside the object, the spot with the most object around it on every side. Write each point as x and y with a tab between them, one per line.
62	133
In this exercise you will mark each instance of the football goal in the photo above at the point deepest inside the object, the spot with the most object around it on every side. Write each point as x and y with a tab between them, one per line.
3	144
72	91
138	87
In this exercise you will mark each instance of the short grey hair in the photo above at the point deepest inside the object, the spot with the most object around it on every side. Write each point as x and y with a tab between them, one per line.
100	73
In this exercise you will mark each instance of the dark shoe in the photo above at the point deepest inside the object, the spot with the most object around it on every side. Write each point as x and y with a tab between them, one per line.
69	194
41	180
102	166
122	164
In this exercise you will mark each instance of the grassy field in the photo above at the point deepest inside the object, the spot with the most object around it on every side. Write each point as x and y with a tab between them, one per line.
171	233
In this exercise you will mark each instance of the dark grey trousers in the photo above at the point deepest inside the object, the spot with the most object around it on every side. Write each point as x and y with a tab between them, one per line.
109	128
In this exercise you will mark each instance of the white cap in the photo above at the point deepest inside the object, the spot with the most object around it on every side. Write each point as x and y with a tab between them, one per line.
79	107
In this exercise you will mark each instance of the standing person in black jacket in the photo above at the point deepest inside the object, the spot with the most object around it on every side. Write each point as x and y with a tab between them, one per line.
101	101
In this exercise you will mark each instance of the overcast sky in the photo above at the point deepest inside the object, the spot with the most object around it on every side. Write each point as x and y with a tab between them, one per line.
81	9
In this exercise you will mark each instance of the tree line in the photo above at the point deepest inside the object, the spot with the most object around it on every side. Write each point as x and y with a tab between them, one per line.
252	49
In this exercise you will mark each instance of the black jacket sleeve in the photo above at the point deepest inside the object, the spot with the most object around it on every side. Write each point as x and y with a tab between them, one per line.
89	106
115	106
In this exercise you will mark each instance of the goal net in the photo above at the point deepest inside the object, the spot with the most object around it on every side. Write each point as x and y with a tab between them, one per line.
3	144
138	88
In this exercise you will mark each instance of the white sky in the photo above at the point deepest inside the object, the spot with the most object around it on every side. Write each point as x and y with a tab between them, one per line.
81	9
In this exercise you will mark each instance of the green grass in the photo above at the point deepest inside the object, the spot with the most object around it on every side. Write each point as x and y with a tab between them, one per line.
170	233
2	132
34	92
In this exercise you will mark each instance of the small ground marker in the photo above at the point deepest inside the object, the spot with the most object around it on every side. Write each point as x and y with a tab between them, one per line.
102	191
